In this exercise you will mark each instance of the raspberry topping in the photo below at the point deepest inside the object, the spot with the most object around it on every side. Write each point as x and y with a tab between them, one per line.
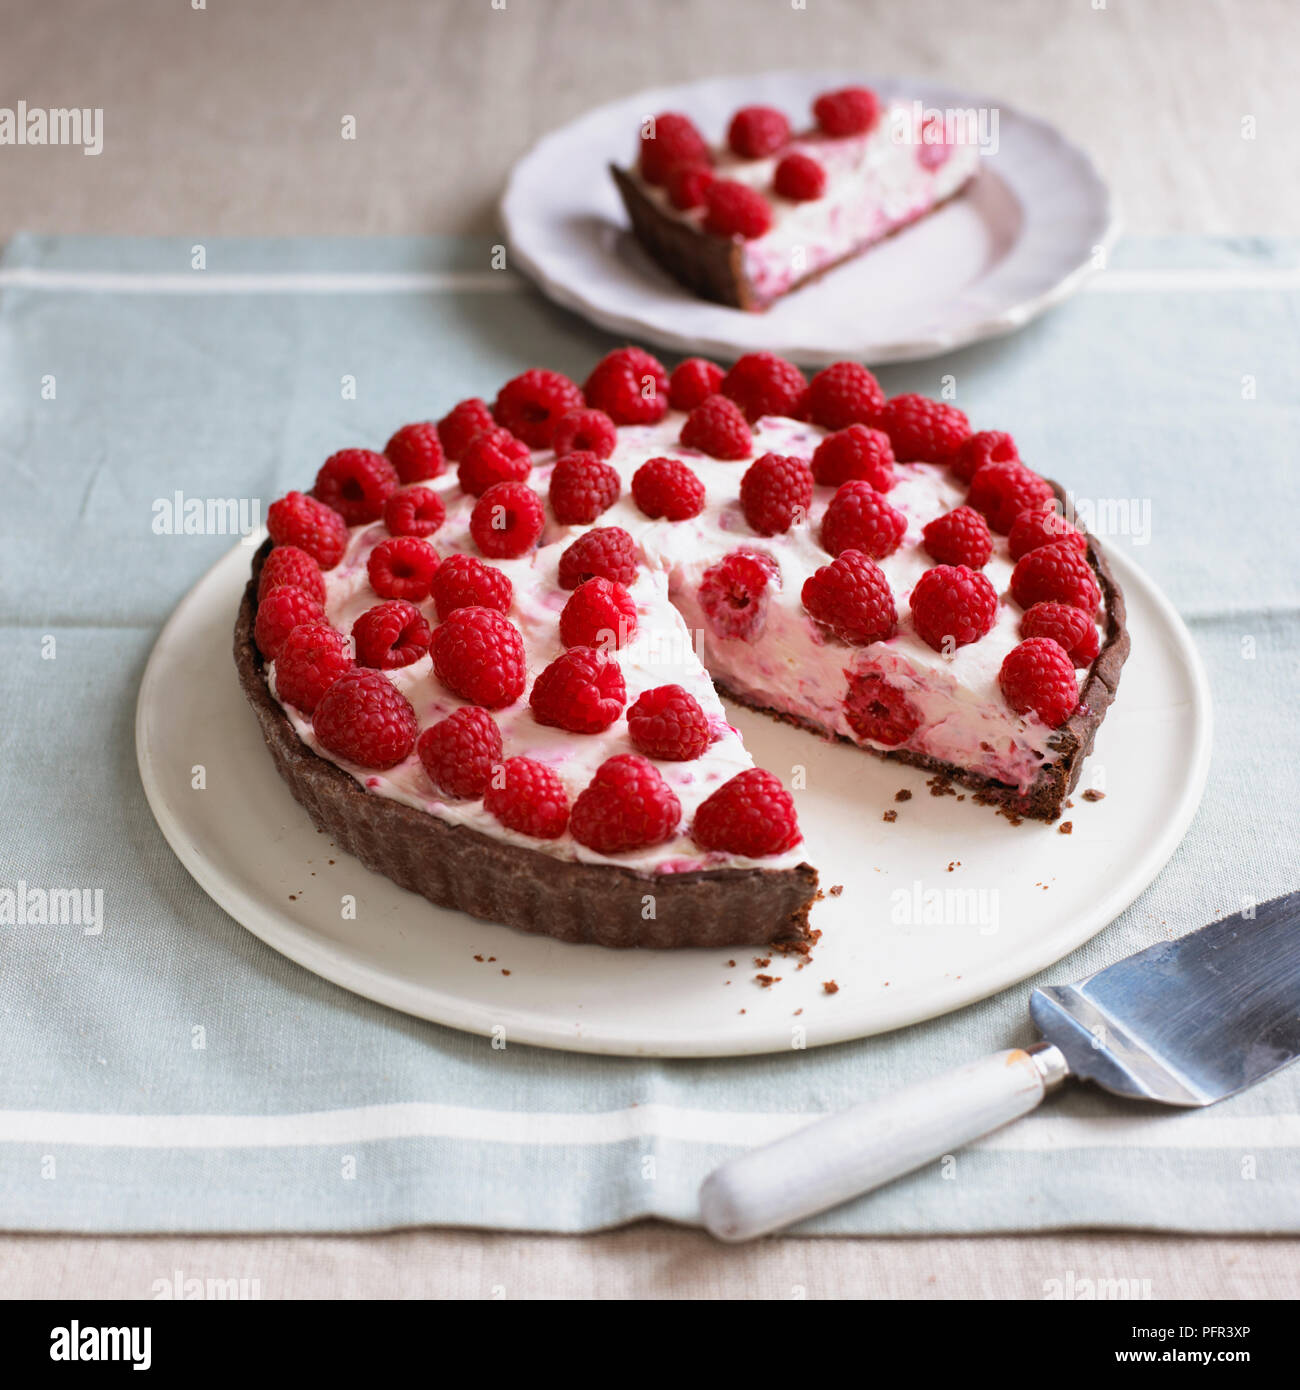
607	552
668	723
461	424
734	209
584	431
299	520
763	384
582	486
988	446
851	597
1056	573
752	814
733	595
1072	628
530	405
312	657
1042	525
526	796
415	451
757	131
418	511
365	719
459	752
922	430
279	611
693	380
857	451
799	177
356	483
581	691
878	711
1038	677
630	386
464	581
859	518
669	139
627	805
1003	490
286	564
687	184
479	655
959	537
390	635
952	606
402	568
494	456
717	428
664	487
775	493
599	613
844	394
506	521
849	111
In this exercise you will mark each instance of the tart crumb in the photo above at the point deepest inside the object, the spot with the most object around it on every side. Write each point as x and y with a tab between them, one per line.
505	972
1092	794
1066	827
836	890
731	965
954	864
479	959
940	785
762	962
890	817
767	981
902	794
830	987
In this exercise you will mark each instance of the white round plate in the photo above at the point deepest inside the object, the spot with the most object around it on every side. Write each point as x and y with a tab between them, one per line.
1016	899
1022	238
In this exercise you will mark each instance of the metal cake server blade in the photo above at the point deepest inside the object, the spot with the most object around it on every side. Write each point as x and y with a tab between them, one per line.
1184	1023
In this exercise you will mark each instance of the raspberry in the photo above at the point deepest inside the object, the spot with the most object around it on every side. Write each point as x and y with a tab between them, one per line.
1042	525
495	456
356	483
669	139
687	184
775	493
279	611
402	568
669	723
922	430
664	487
959	537
800	178
464	581
459	752
878	711
717	428
526	796
581	691
506	521
849	111
1056	573
734	209
1072	628
607	552
1038	676
364	718
286	564
952	606
582	487
479	655
733	595
851	596
390	635
530	405
299	520
627	805
859	518
630	386
763	384
599	613
415	451
857	451
462	424
752	814
844	394
1003	490
312	657
757	131
416	512
693	380
584	431
988	446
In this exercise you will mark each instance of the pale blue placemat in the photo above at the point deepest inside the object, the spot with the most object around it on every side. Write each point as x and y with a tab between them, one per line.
125	375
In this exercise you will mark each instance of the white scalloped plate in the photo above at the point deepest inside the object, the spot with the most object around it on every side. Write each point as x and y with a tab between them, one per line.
1022	238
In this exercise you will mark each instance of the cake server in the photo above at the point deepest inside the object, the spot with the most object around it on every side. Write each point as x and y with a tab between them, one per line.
1185	1023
